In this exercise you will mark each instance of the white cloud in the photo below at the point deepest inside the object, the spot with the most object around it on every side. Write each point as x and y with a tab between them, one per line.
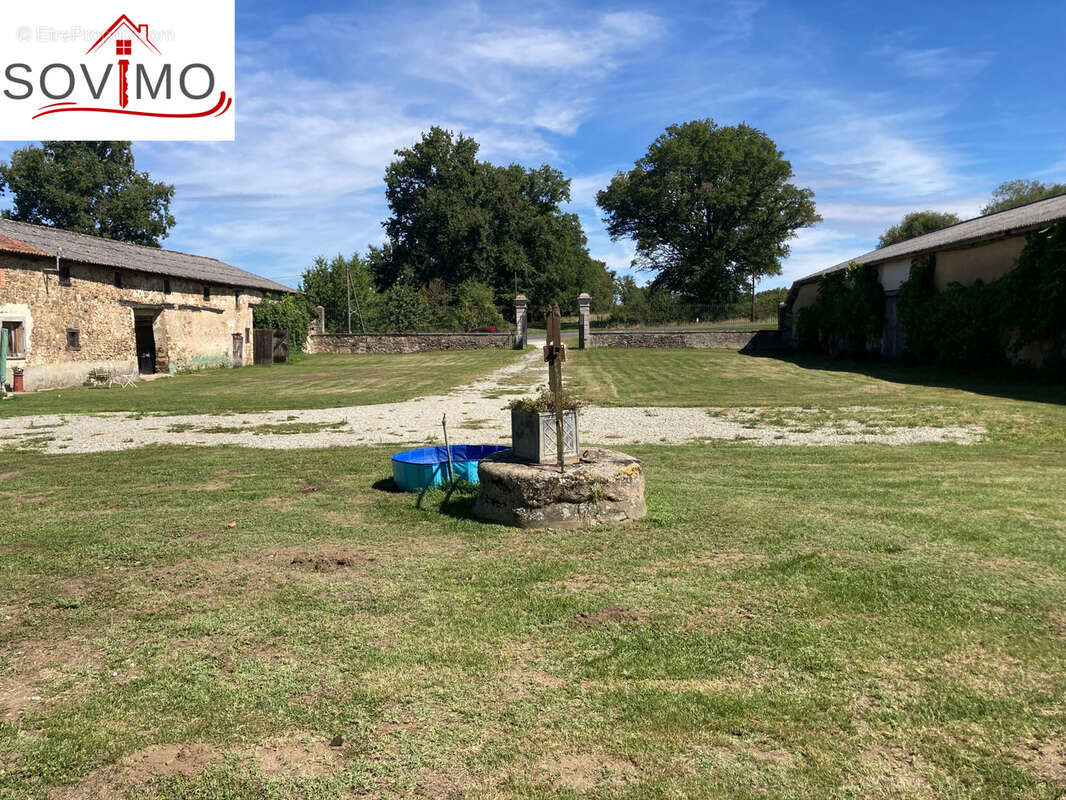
305	175
942	63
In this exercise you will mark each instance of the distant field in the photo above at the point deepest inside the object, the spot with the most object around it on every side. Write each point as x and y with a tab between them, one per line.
320	381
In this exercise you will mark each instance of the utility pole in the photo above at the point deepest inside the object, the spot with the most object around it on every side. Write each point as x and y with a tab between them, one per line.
348	293
358	309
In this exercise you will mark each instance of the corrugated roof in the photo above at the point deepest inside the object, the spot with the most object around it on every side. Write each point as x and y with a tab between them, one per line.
972	231
42	240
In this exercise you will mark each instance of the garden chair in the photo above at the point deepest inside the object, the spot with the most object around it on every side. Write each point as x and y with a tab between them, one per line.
114	378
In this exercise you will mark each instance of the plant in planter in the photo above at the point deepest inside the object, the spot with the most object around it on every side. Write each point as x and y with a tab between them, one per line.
533	427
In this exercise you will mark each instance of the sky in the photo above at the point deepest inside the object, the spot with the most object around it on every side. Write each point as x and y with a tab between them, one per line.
882	108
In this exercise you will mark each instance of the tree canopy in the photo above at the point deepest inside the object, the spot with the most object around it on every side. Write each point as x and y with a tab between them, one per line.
710	207
401	307
87	187
915	224
1019	192
455	218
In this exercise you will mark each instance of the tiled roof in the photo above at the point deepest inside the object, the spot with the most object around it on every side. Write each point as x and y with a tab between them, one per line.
991	226
21	237
9	245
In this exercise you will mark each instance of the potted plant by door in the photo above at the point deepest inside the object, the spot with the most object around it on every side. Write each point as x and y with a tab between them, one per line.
533	428
17	384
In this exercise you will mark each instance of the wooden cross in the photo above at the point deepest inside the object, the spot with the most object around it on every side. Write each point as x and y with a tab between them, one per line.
555	355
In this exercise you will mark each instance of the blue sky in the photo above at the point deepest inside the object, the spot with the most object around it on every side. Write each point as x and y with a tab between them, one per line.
881	108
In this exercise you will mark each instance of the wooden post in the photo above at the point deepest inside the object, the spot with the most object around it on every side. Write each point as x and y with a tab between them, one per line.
448	450
555	354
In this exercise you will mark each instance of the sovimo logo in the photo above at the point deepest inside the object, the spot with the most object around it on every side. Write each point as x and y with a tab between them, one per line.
130	80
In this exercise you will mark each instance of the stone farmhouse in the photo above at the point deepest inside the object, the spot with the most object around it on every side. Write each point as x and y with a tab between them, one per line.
71	303
982	248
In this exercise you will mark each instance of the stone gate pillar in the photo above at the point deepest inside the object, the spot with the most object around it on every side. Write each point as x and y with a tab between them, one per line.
521	334
320	320
584	332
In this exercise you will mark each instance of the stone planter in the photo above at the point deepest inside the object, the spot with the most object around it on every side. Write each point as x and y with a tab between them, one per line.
533	436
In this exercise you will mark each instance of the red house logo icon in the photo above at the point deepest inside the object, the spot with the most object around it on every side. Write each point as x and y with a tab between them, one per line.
124	33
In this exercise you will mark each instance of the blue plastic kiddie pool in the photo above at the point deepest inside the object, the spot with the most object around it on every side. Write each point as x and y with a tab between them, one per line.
414	470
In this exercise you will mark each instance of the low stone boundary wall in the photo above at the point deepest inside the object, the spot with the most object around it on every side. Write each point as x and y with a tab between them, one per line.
405	342
748	341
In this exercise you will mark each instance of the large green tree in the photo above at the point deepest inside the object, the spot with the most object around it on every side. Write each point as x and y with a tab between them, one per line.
87	187
915	224
325	283
1019	192
711	209
455	218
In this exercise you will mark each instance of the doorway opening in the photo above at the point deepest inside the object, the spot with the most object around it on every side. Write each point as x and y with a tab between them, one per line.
144	332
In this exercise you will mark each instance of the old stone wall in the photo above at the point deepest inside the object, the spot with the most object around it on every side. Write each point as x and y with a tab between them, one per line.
405	342
729	340
189	331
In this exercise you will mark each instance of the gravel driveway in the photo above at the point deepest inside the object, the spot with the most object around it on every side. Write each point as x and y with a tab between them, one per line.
476	414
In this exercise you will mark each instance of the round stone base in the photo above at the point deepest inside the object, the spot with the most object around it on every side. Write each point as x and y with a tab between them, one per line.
603	486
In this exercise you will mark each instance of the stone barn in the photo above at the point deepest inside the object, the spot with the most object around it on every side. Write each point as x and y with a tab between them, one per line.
984	248
71	303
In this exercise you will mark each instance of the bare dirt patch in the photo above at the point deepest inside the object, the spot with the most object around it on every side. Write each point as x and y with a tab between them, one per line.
893	768
524	678
212	486
7	476
1058	620
31	665
576	584
581	771
17	698
593	619
157	761
1045	760
273	561
328	563
298	754
433	783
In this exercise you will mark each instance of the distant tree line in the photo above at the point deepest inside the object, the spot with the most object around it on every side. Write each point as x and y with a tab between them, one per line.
346	289
710	208
653	305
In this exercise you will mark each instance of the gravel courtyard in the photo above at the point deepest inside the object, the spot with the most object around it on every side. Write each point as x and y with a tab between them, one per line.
476	413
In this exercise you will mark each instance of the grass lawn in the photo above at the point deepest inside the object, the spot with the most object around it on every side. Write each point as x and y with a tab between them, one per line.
727	379
320	381
859	621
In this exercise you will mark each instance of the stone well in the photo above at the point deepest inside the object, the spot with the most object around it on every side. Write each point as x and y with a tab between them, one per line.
603	486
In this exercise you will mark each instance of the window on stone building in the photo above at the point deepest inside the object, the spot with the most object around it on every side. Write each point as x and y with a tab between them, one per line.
118	279
15	331
207	292
166	286
64	274
237	298
73	339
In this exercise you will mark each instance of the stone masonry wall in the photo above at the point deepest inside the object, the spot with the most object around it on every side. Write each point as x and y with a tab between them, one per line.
405	342
731	340
189	331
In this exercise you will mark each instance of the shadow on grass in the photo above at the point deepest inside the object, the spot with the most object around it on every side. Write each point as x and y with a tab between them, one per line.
455	501
1017	383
